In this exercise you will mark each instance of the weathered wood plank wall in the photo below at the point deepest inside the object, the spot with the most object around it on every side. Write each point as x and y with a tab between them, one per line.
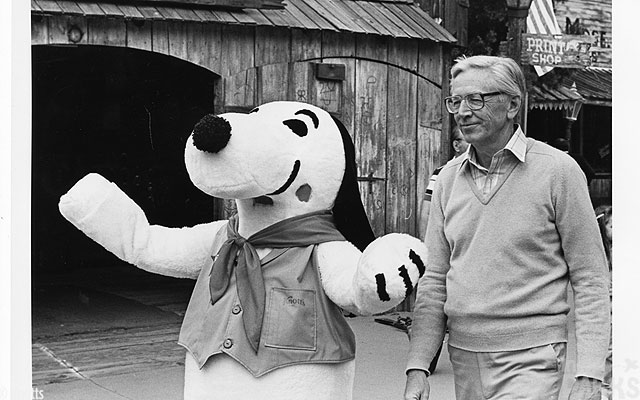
371	128
402	137
340	48
390	99
592	18
454	16
433	123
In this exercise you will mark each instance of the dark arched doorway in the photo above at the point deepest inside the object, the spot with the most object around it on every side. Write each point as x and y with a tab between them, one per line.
125	114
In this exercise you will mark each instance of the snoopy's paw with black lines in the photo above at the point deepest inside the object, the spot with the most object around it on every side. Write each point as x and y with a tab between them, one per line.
388	272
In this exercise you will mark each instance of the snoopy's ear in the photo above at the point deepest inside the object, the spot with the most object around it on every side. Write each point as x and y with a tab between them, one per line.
348	211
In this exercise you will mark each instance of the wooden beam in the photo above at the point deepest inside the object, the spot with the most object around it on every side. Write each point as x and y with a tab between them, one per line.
106	32
139	34
39	30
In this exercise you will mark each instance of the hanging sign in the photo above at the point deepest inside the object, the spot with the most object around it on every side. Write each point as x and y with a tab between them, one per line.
563	51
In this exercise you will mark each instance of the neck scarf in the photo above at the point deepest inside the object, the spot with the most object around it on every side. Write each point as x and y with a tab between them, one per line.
299	231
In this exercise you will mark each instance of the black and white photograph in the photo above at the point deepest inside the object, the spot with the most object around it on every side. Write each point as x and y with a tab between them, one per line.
317	199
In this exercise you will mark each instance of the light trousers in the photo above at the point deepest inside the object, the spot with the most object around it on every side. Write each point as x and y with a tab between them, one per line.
528	374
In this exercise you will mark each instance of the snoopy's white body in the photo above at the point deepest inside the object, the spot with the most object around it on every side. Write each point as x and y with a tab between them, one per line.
255	162
223	377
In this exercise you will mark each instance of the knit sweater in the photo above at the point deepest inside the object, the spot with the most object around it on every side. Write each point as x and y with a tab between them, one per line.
499	266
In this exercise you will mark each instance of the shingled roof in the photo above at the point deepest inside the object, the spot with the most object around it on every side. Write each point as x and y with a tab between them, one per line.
395	18
593	86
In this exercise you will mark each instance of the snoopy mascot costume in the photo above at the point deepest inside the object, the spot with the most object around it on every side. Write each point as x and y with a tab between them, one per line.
265	317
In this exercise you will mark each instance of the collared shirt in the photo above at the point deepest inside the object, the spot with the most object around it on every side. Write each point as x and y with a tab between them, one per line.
513	152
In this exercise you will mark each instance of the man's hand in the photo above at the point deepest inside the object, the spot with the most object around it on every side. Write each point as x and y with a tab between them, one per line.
585	389
417	387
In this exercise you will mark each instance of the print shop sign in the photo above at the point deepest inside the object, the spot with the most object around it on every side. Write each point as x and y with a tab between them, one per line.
564	51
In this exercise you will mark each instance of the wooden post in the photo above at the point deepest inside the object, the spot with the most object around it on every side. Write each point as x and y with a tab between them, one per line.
517	25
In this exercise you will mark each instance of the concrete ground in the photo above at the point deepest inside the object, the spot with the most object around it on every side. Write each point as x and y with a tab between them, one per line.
119	342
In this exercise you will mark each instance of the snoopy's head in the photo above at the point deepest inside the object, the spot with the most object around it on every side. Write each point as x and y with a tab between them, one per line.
282	153
289	157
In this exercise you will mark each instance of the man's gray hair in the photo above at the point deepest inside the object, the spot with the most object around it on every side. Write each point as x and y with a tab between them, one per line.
508	74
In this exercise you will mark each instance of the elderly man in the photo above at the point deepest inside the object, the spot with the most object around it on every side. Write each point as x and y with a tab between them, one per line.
511	225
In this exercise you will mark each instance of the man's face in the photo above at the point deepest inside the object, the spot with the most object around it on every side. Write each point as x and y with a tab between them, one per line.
484	126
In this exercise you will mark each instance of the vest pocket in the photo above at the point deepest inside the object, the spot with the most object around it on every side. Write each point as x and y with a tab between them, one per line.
291	319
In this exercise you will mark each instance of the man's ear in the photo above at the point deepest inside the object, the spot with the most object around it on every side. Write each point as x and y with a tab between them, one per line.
456	146
514	106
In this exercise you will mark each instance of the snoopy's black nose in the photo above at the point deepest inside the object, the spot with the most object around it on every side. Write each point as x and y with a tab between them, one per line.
211	134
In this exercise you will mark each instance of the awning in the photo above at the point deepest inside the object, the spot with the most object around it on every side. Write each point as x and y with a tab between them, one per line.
592	86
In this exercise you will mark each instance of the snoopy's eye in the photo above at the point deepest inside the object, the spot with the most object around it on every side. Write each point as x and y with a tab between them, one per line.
298	127
254	110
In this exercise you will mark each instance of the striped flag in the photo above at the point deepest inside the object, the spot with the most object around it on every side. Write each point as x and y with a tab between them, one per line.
542	20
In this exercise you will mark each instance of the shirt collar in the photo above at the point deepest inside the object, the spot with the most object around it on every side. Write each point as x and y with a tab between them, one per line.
517	145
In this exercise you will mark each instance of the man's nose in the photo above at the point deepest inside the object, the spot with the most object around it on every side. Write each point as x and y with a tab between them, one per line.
464	108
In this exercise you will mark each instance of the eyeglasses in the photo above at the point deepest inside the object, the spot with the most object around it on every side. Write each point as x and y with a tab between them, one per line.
475	101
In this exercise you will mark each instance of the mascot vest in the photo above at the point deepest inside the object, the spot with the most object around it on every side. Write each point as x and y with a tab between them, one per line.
300	325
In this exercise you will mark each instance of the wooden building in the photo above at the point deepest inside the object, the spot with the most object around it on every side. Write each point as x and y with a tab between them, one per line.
381	66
